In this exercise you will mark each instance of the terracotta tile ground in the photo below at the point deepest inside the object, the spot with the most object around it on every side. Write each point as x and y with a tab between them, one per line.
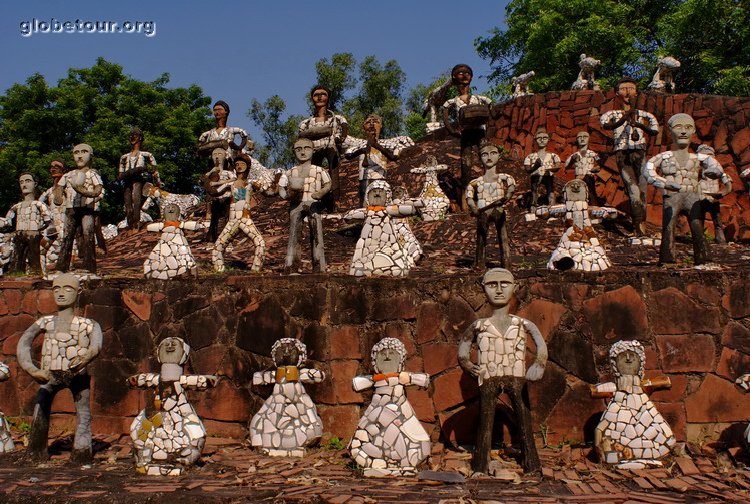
230	472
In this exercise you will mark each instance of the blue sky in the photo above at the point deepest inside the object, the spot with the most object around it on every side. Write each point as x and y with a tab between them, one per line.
241	50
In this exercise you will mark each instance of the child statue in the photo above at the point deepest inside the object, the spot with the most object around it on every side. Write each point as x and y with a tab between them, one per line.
304	185
168	434
288	421
132	166
70	343
585	164
435	201
6	440
171	256
500	341
29	217
632	434
380	250
541	167
486	197
218	196
389	440
162	198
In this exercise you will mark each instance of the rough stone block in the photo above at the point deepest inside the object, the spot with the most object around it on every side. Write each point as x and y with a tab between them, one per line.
693	353
615	315
439	356
545	314
673	312
453	388
429	320
345	342
138	302
733	363
717	400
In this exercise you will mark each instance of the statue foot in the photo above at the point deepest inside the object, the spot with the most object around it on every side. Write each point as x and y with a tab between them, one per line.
81	456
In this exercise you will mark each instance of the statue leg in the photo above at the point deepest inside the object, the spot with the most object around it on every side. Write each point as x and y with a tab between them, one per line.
696	216
631	180
72	221
363	189
714	210
519	397
590	182
501	225
80	387
217	255
549	185
315	222
128	196
87	247
534	191
37	449
488	393
669	219
136	201
481	242
292	251
34	253
20	252
248	227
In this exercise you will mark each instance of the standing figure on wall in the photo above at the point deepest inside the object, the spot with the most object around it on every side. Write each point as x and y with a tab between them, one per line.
744	383
132	167
520	84
713	190
171	257
586	80
83	192
29	218
223	136
6	440
677	173
389	440
167	434
486	197
541	167
304	186
500	342
663	79
374	153
288	421
585	164
218	196
327	131
632	434
70	344
435	201
54	198
471	113
631	128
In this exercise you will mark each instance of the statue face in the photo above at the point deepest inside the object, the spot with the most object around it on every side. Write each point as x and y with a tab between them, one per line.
135	138
320	98
499	287
65	289
56	169
575	190
373	125
286	355
26	181
377	196
170	351
303	151
627	91
582	139
542	139
462	76
489	156
682	128
218	156
628	363
388	360
172	213
82	155
220	112
240	166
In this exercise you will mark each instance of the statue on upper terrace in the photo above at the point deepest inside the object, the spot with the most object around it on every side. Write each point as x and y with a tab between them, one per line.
541	166
520	84
585	80
132	166
663	79
585	164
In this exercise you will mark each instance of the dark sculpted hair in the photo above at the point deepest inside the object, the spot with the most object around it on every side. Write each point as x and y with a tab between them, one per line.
222	104
625	79
461	65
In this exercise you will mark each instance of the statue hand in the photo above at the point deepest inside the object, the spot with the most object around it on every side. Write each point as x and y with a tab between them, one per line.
132	381
41	375
212	380
672	186
535	372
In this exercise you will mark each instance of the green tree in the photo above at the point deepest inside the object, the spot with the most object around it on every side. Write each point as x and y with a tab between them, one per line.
337	76
99	105
278	133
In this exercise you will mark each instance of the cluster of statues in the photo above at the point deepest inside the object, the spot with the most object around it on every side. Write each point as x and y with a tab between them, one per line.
168	435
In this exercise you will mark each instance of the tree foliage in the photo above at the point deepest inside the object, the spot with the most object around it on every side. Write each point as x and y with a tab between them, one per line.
99	105
278	133
709	37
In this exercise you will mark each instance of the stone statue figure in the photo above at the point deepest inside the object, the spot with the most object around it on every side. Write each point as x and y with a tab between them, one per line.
713	190
132	167
541	167
520	84
171	256
54	198
436	202
585	80
6	440
663	79
223	136
585	164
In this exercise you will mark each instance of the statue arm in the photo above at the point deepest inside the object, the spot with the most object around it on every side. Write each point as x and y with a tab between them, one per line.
447	121
324	188
95	346
23	354
652	177
610	121
155	227
464	352
198	382
283	184
143	380
4	372
193	225
535	372
358	214
311	375
419	379
360	383
9	218
264	378
652	128
401	210
469	195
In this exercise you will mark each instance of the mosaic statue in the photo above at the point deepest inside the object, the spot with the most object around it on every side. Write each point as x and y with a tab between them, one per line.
579	247
171	257
401	224
433	102
288	421
239	219
6	440
327	131
677	173
586	80
500	342
218	196
744	383
374	153
83	193
132	167
69	344
585	164
29	218
167	434
631	128
162	198
712	191
541	167
486	197
472	112
520	84
632	434
54	198
379	250
435	201
389	440
663	79
223	136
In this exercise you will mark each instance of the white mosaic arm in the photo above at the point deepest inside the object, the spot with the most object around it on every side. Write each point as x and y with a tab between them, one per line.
155	227
418	379
358	214
360	383
144	380
604	212
264	378
712	169
606	389
198	382
535	372
4	372
550	211
95	346
652	177
311	375
743	382
7	221
194	225
401	210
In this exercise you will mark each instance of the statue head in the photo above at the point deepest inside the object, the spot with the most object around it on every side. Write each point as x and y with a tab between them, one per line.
241	164
219	157
303	149
627	89
705	149
221	110
541	137
575	190
582	139
173	351
83	154
320	96
57	168
682	128
461	74
378	193
489	154
288	352
27	181
65	289
171	213
499	286
136	136
388	356
373	124
627	357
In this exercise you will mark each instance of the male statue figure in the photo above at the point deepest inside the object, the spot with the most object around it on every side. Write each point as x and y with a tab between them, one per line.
631	126
304	186
132	166
585	163
679	177
501	355
70	343
542	166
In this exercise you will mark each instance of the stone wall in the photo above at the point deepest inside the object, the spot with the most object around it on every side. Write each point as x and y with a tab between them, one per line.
694	325
721	121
